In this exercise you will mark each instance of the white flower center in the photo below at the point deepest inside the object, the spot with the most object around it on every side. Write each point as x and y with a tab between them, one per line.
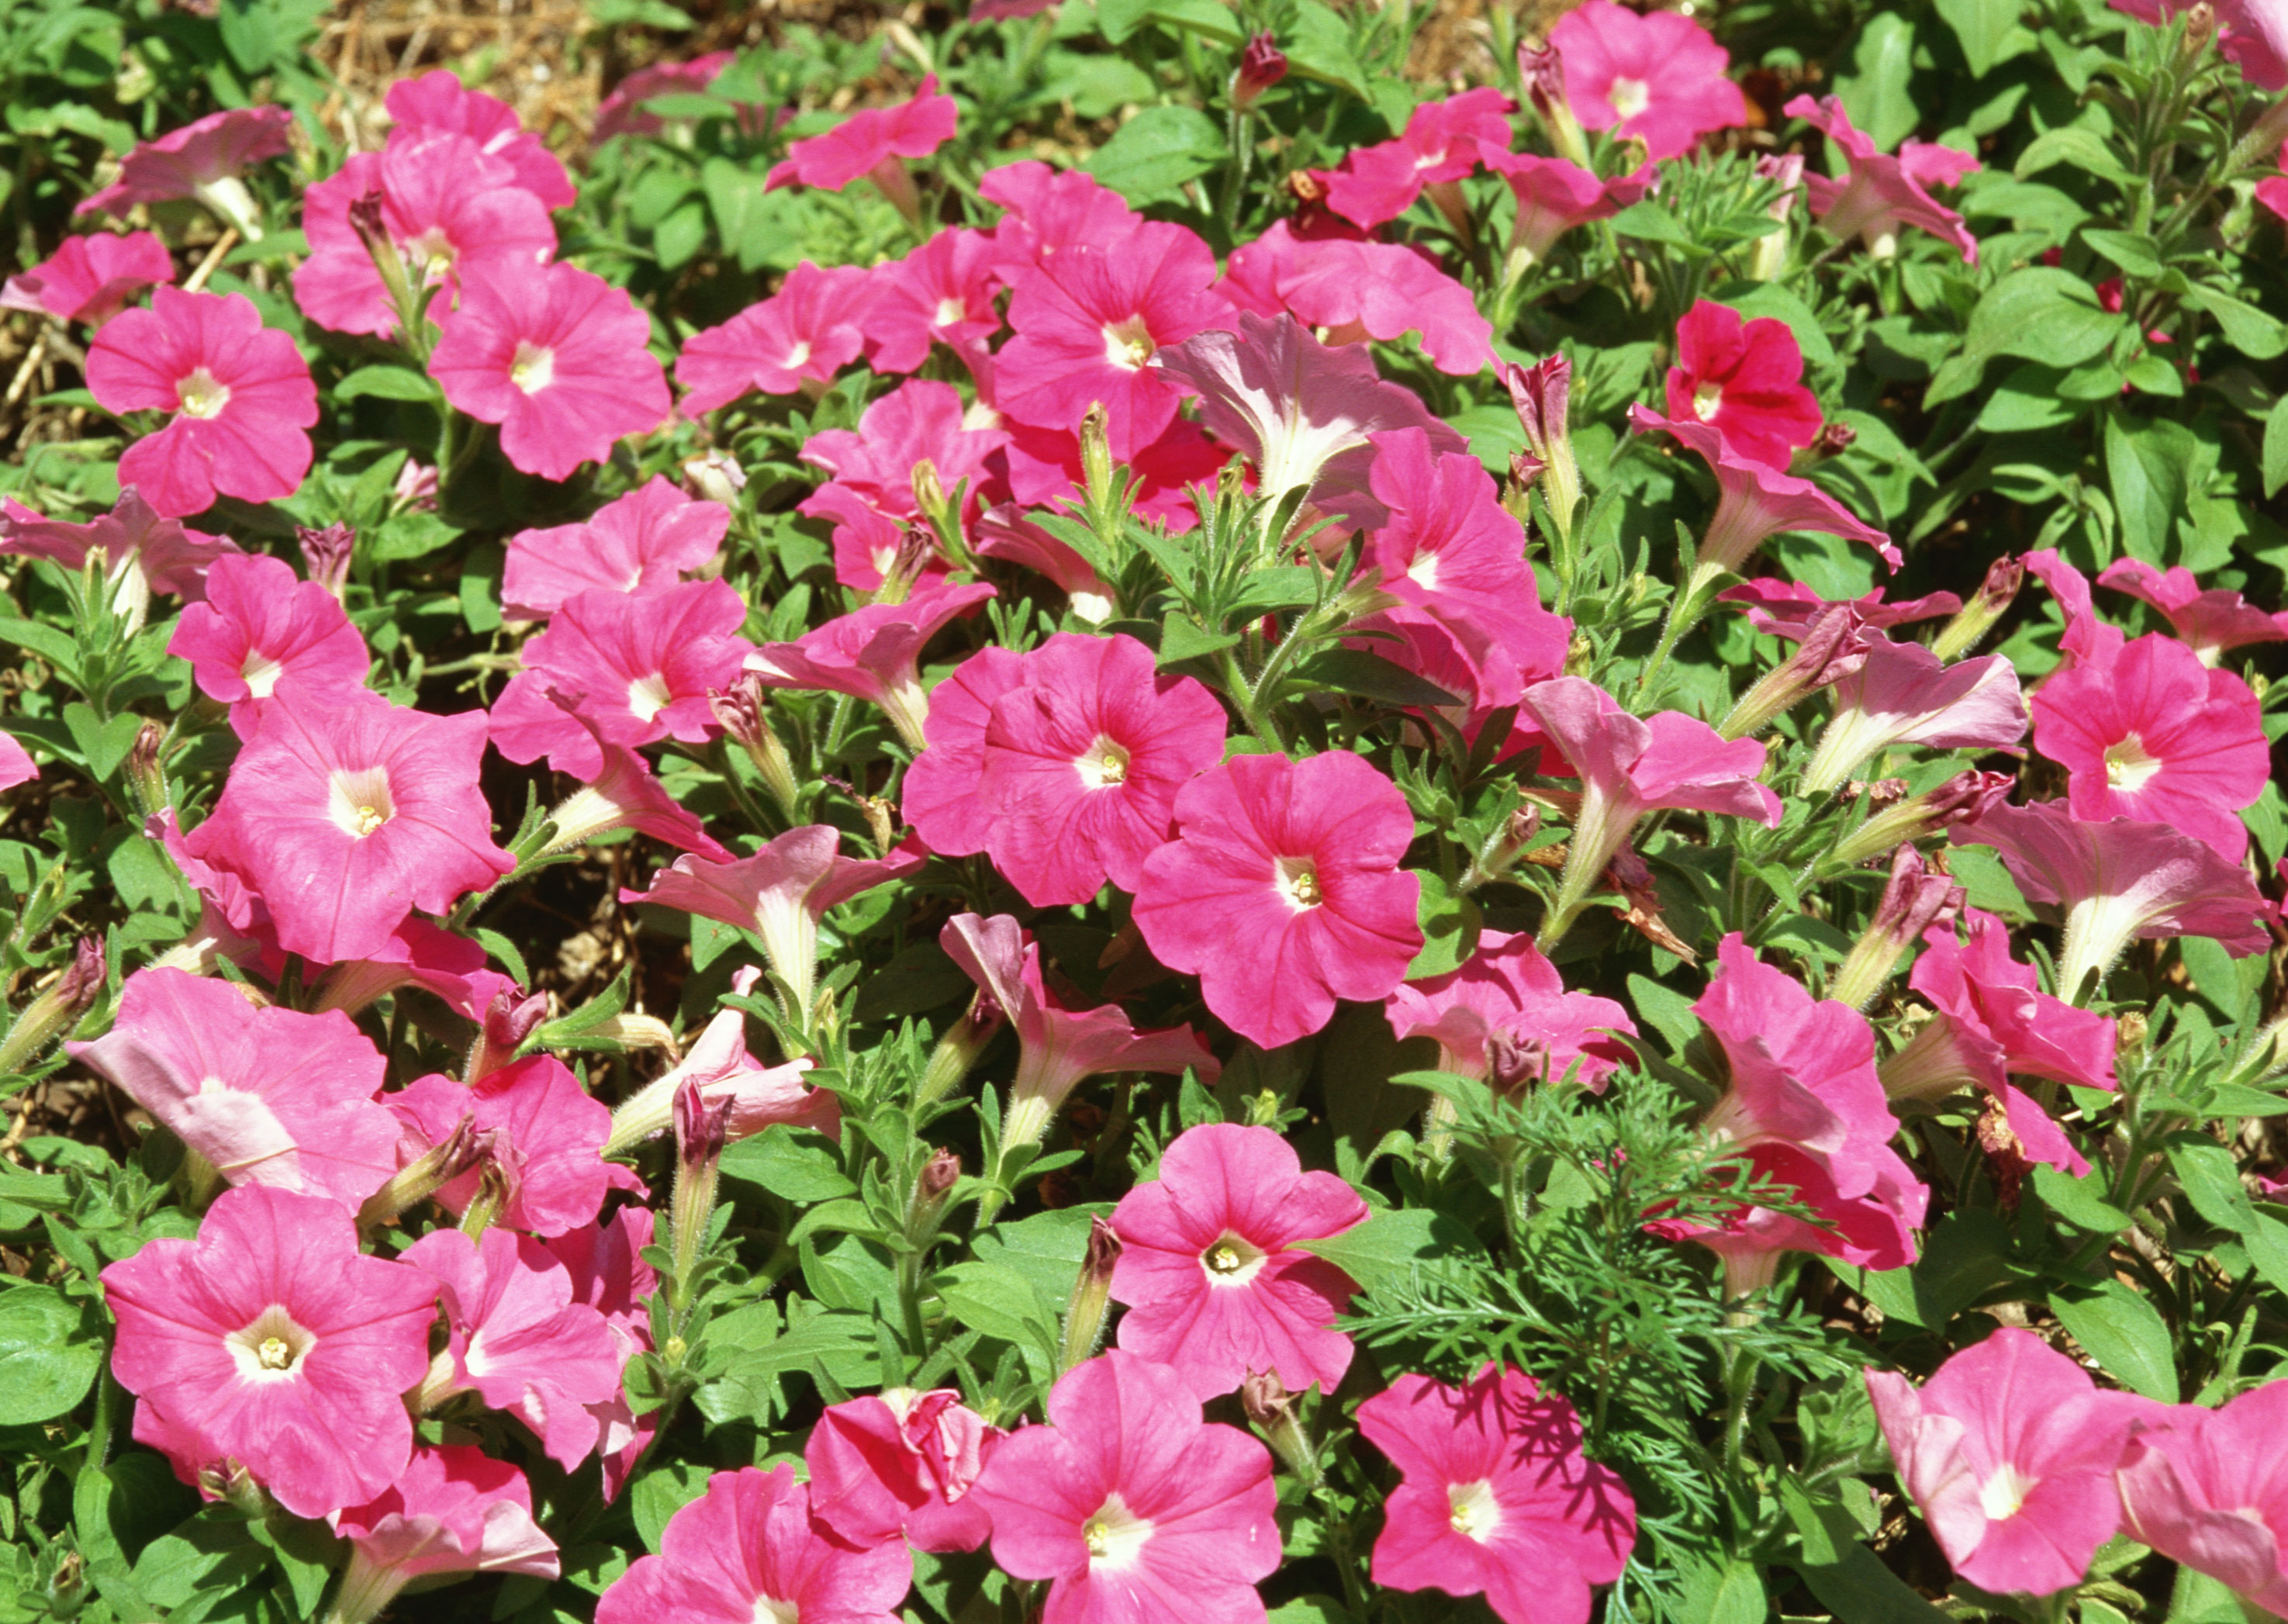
358	800
1094	607
533	368
1476	1513
201	393
1707	401
270	1349
430	255
770	1609
1424	571
1128	344
260	673
798	355
949	310
647	696
1104	765
1232	1260
1629	97
2002	1495
1298	880
1883	244
1115	1535
2129	766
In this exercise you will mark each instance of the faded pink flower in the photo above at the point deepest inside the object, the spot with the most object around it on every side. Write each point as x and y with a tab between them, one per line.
623	111
1785	608
259	626
435	102
725	1074
1746	379
546	1136
2209	1488
640	545
1905	694
143	552
269	1340
1004	532
453	1509
867	140
1882	194
1756	501
1505	1017
900	1466
90	279
801	335
1658	76
1281	890
239	395
1353	291
623	793
1439	146
2210	622
873	653
202	159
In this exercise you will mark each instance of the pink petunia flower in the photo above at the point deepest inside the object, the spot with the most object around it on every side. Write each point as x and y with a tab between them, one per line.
90	279
2209	622
202	159
1873	1230
2209	1488
800	337
259	626
1756	501
1058	1048
1004	532
919	421
269	1340
1497	1498
1281	890
16	764
1439	146
939	797
1050	210
1784	608
435	102
453	1509
558	357
546	1135
873	653
1905	694
622	112
2009	1449
143	552
609	1275
1554	196
1505	1017
725	1074
239	393
1746	379
2147	731
641	544
2118	882
870	143
2086	637
623	793
1130	1505
446	208
1658	77
1882	194
344	814
900	1466
944	292
418	954
516	1338
269	1095
1088	322
1351	291
751	1548
1210	1268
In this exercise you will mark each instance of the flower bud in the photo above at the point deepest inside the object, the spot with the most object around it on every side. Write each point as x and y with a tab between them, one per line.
957	1051
1540	393
56	1009
713	476
510	1018
426	1174
1833	440
1917	898
1976	618
1833	647
2267	1055
701	1132
932	1188
917	547
1091	1294
415	488
1768	255
1096	459
1261	65
1964	798
147	773
2200	31
1541	73
368	220
740	712
1271	1407
325	555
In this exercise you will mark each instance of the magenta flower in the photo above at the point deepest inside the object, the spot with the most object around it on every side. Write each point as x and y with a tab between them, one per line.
1505	1017
269	1095
873	653
2118	882
609	1275
2009	1451
867	140
453	1509
1057	1048
259	626
1088	322
1440	147
1746	379
2148	733
1052	210
2209	1488
1905	694
1658	77
779	893
143	552
799	337
749	1548
900	1466
1497	1498
239	393
1351	291
558	357
90	279
447	209
435	102
1281	890
1882	194
1873	1230
638	668
516	1338
1216	1284
944	292
546	1135
727	1075
2086	637
418	954
202	160
269	1340
939	797
1785	608
1553	197
1756	501
343	817
641	544
2210	622
1136	1510
919	421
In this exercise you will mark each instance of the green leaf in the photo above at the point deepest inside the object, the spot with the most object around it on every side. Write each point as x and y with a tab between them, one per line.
1772	300
2125	1335
2132	251
2248	329
1876	92
2276	446
1151	157
2037	313
2077	144
103	745
1182	639
2079	1201
1988	31
1008	1306
1391	1245
1285	586
1450	928
1045	1248
410	535
1370	676
1318	45
1850	1580
49	1357
1730	1593
664	1491
1667	1011
2145	470
793	1163
1651	222
385	383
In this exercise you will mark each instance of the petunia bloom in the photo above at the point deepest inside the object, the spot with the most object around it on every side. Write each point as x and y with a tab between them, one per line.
1130	1505
1281	890
1904	694
1658	77
270	1341
1351	291
1785	608
557	357
1552	196
800	337
943	293
239	393
919	421
202	159
1497	1498
869	143
1215	1282
437	103
718	1063
542	1170
641	544
1745	378
622	112
609	1275
2209	622
453	1509
873	653
2209	1488
1505	1017
2009	1450
901	1464
259	626
90	279
1438	148
1050	210
1756	501
1882	194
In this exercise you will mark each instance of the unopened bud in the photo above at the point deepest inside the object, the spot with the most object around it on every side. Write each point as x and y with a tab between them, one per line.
1916	899
1542	394
1271	1407
932	1188
740	712
1541	72
1833	646
1964	798
1091	1294
426	1174
511	1017
701	1132
325	555
713	476
1261	65
1833	440
957	1051
1768	254
1513	1060
147	773
2200	30
1096	460
1987	604
56	1009
369	220
917	550
415	488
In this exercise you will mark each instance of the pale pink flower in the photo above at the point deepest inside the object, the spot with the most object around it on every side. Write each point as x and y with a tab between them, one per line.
16	764
1746	379
546	1135
202	160
1282	891
1553	197
718	1063
1658	76
900	1466
90	279
1505	1017
258	626
269	1340
1004	532
2209	1488
1134	1510
1439	146
751	1548
435	102
2209	622
867	140
1882	194
944	292
557	357
1352	290
1497	1498
453	1509
873	653
239	395
143	552
804	334
641	544
1905	694
1756	501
